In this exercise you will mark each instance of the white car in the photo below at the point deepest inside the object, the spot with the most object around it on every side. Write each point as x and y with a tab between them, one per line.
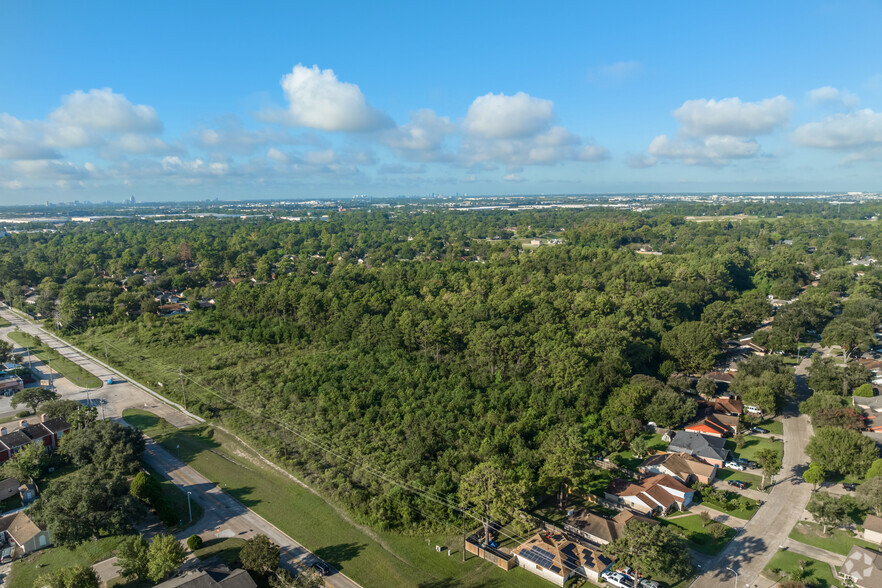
734	465
618	580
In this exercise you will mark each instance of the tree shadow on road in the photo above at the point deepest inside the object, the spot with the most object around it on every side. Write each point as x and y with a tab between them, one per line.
747	549
338	554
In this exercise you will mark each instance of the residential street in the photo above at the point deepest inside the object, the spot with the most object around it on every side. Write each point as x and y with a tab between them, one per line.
769	528
221	511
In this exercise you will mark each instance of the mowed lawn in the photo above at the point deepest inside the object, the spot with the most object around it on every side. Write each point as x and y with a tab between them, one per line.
754	481
370	558
753	445
818	573
62	365
25	571
836	540
697	535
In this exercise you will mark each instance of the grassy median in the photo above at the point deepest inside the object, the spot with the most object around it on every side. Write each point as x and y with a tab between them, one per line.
60	364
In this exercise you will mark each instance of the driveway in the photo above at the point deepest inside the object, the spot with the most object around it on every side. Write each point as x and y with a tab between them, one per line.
750	551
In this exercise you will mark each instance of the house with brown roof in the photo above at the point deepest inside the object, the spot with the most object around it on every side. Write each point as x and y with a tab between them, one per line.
21	533
601	530
661	493
682	466
728	406
873	529
716	425
863	568
557	557
47	432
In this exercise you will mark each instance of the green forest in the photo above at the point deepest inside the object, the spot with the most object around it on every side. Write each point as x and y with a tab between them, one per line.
405	346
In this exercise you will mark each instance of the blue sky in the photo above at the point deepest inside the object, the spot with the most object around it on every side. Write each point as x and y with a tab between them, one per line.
190	100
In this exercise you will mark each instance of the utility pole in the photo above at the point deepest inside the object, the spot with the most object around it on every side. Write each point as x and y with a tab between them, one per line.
184	392
462	510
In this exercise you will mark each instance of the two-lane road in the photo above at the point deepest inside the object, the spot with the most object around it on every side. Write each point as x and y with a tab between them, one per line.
768	530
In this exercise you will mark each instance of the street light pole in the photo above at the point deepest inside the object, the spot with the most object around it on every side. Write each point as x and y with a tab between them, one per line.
736	576
188	506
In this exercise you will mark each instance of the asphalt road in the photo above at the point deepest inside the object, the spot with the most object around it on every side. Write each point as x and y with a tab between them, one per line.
750	551
223	515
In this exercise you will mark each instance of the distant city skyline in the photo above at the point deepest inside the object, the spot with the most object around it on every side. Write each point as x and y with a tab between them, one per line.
168	101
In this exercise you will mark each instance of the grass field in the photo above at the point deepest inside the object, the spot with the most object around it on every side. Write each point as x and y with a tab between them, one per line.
838	540
226	549
698	537
25	571
60	364
772	426
753	445
368	557
784	563
4	322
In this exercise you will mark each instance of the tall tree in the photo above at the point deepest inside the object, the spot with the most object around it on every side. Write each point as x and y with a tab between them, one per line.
693	345
260	555
29	463
651	550
843	451
869	495
131	557
770	462
107	445
32	397
814	475
829	510
164	556
495	492
72	577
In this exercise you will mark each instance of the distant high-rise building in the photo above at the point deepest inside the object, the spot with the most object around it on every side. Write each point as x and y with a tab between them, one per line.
132	199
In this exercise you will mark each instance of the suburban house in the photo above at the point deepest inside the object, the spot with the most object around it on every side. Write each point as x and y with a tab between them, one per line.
716	425
873	529
558	557
10	384
863	567
656	494
705	447
728	406
22	534
48	432
682	466
214	578
601	530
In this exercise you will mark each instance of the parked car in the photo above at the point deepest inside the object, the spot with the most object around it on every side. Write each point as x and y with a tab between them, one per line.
737	484
758	430
734	465
321	568
649	584
618	579
850	487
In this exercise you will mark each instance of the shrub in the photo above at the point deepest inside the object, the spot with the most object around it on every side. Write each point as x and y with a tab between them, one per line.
865	390
22	414
194	542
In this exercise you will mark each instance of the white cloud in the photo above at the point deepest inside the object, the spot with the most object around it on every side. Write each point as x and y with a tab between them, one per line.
640	160
831	95
421	137
497	116
547	148
22	140
513	178
715	150
731	116
104	110
134	143
276	155
318	100
324	157
855	130
230	136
